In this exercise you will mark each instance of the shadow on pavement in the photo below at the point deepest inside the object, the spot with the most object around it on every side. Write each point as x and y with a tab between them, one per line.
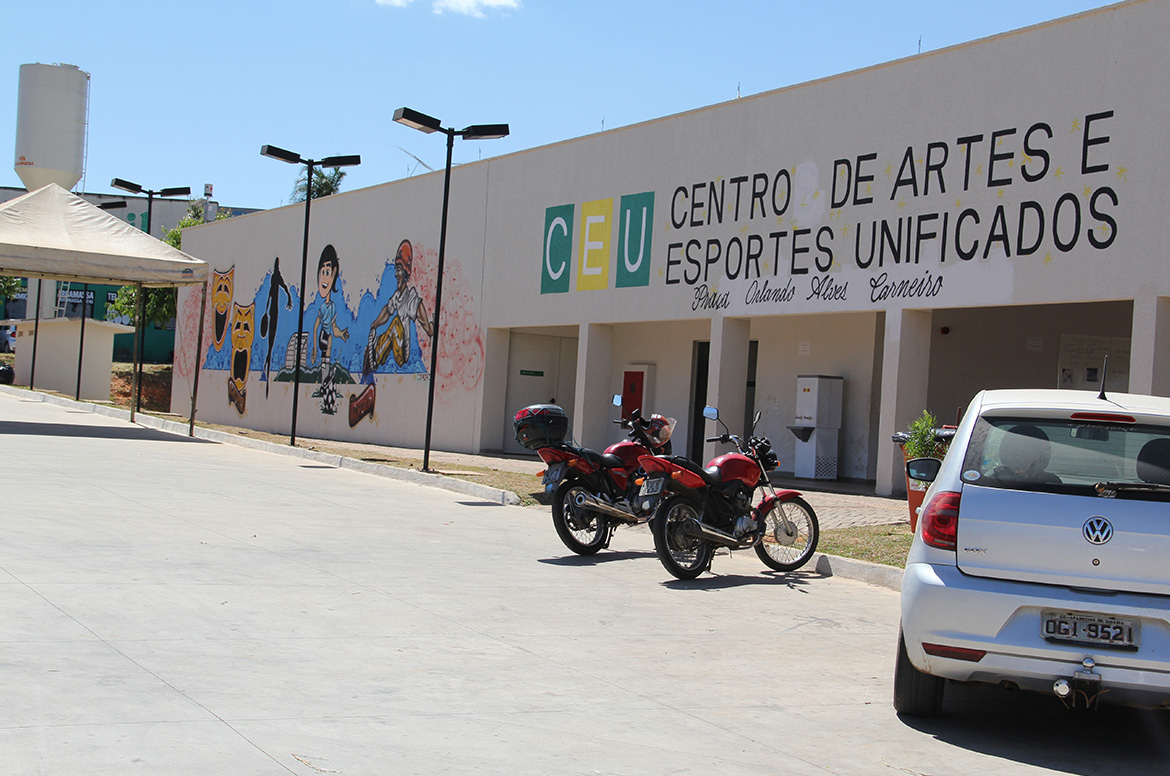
594	560
25	428
792	579
1038	730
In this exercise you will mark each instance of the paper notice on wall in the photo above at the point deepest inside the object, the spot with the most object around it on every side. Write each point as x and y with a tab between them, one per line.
1082	361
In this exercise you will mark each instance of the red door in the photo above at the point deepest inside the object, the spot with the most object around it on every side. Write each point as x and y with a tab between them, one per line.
632	387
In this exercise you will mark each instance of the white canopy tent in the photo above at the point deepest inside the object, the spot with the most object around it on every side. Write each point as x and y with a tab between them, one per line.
52	234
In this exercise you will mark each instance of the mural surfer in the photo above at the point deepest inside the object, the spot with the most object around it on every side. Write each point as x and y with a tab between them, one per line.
325	328
404	306
269	319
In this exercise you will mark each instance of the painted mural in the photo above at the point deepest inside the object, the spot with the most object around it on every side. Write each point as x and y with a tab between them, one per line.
243	333
343	349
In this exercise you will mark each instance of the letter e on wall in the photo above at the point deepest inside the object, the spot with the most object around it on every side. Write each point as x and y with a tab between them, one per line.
594	252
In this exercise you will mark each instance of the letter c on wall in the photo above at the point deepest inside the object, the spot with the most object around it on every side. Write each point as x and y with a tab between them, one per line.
548	255
558	249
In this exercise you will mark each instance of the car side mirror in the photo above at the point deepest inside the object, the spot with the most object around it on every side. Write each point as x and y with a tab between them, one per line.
923	469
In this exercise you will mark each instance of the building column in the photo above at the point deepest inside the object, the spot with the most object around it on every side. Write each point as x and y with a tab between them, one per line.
592	404
494	421
905	378
727	376
1149	350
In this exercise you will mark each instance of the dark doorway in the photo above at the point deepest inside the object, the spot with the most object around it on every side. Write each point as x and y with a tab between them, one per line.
700	360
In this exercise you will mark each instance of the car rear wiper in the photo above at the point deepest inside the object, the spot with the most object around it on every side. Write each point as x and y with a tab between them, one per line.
1111	489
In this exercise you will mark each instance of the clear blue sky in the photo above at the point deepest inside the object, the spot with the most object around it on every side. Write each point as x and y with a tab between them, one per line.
185	93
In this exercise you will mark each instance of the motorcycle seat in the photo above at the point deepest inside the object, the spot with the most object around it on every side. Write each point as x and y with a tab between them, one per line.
710	475
603	460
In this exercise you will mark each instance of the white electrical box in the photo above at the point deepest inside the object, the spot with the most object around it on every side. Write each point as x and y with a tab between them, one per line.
818	401
816	427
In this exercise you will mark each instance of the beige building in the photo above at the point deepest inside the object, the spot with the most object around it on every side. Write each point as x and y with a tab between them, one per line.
983	216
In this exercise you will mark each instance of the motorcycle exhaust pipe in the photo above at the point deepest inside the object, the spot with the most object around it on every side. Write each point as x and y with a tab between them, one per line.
588	501
693	527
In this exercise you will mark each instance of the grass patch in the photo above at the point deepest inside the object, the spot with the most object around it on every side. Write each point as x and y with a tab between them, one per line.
886	544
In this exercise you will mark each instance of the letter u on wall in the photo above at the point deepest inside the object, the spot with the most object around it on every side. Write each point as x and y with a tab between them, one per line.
635	239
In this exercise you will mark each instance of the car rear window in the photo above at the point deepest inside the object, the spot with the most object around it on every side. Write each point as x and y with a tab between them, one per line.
1069	456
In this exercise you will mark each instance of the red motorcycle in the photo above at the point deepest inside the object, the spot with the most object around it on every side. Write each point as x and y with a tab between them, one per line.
699	509
592	493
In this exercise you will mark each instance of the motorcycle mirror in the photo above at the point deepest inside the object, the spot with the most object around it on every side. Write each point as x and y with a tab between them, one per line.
617	400
710	413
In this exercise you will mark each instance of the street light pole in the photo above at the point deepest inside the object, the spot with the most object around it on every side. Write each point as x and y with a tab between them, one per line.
140	342
428	124
275	152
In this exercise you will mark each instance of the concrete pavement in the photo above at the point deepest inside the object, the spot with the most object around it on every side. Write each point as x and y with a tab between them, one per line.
174	606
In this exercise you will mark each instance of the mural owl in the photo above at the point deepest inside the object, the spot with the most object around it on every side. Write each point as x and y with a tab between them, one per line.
243	333
221	300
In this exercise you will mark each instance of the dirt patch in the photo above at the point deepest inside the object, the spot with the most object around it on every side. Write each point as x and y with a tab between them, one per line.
156	386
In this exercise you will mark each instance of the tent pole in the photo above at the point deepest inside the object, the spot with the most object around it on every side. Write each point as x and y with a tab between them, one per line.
141	351
36	331
81	339
198	358
135	385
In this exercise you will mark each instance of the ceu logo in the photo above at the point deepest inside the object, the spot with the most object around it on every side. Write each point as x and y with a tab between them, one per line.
599	232
1097	530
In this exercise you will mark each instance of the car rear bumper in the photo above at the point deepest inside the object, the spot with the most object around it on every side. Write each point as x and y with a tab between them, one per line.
941	605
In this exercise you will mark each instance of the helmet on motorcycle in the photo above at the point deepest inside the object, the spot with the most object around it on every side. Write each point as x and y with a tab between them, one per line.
659	429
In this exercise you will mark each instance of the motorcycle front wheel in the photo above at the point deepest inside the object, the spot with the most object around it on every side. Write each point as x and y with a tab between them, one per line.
582	531
791	532
684	556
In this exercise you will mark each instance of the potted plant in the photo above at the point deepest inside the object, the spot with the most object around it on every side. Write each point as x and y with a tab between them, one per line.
920	440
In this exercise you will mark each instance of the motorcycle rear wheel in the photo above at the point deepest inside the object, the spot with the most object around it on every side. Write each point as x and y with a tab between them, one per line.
684	556
582	531
788	547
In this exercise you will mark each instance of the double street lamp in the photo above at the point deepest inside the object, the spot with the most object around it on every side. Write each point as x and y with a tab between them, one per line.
140	341
274	152
428	124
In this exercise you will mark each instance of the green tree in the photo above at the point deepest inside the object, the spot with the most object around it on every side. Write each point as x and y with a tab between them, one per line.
324	183
9	286
160	302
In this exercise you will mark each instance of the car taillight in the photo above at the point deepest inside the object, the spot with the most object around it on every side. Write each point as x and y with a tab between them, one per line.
955	653
940	520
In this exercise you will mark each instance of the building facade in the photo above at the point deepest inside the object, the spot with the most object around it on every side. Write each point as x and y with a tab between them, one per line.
981	216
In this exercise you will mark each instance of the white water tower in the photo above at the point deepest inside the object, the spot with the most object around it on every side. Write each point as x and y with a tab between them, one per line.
51	113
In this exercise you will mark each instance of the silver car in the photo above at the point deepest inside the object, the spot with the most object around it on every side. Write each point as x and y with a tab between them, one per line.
1042	555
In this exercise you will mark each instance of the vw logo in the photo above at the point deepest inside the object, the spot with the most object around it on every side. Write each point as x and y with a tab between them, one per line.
1097	530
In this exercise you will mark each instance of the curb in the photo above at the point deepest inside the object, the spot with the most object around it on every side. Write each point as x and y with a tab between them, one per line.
875	574
475	490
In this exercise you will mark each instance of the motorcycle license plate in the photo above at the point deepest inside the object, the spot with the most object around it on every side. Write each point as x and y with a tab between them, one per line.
1087	627
652	486
553	475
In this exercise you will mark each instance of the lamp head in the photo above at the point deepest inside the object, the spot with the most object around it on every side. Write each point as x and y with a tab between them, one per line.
420	121
276	152
485	132
180	191
341	161
133	188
